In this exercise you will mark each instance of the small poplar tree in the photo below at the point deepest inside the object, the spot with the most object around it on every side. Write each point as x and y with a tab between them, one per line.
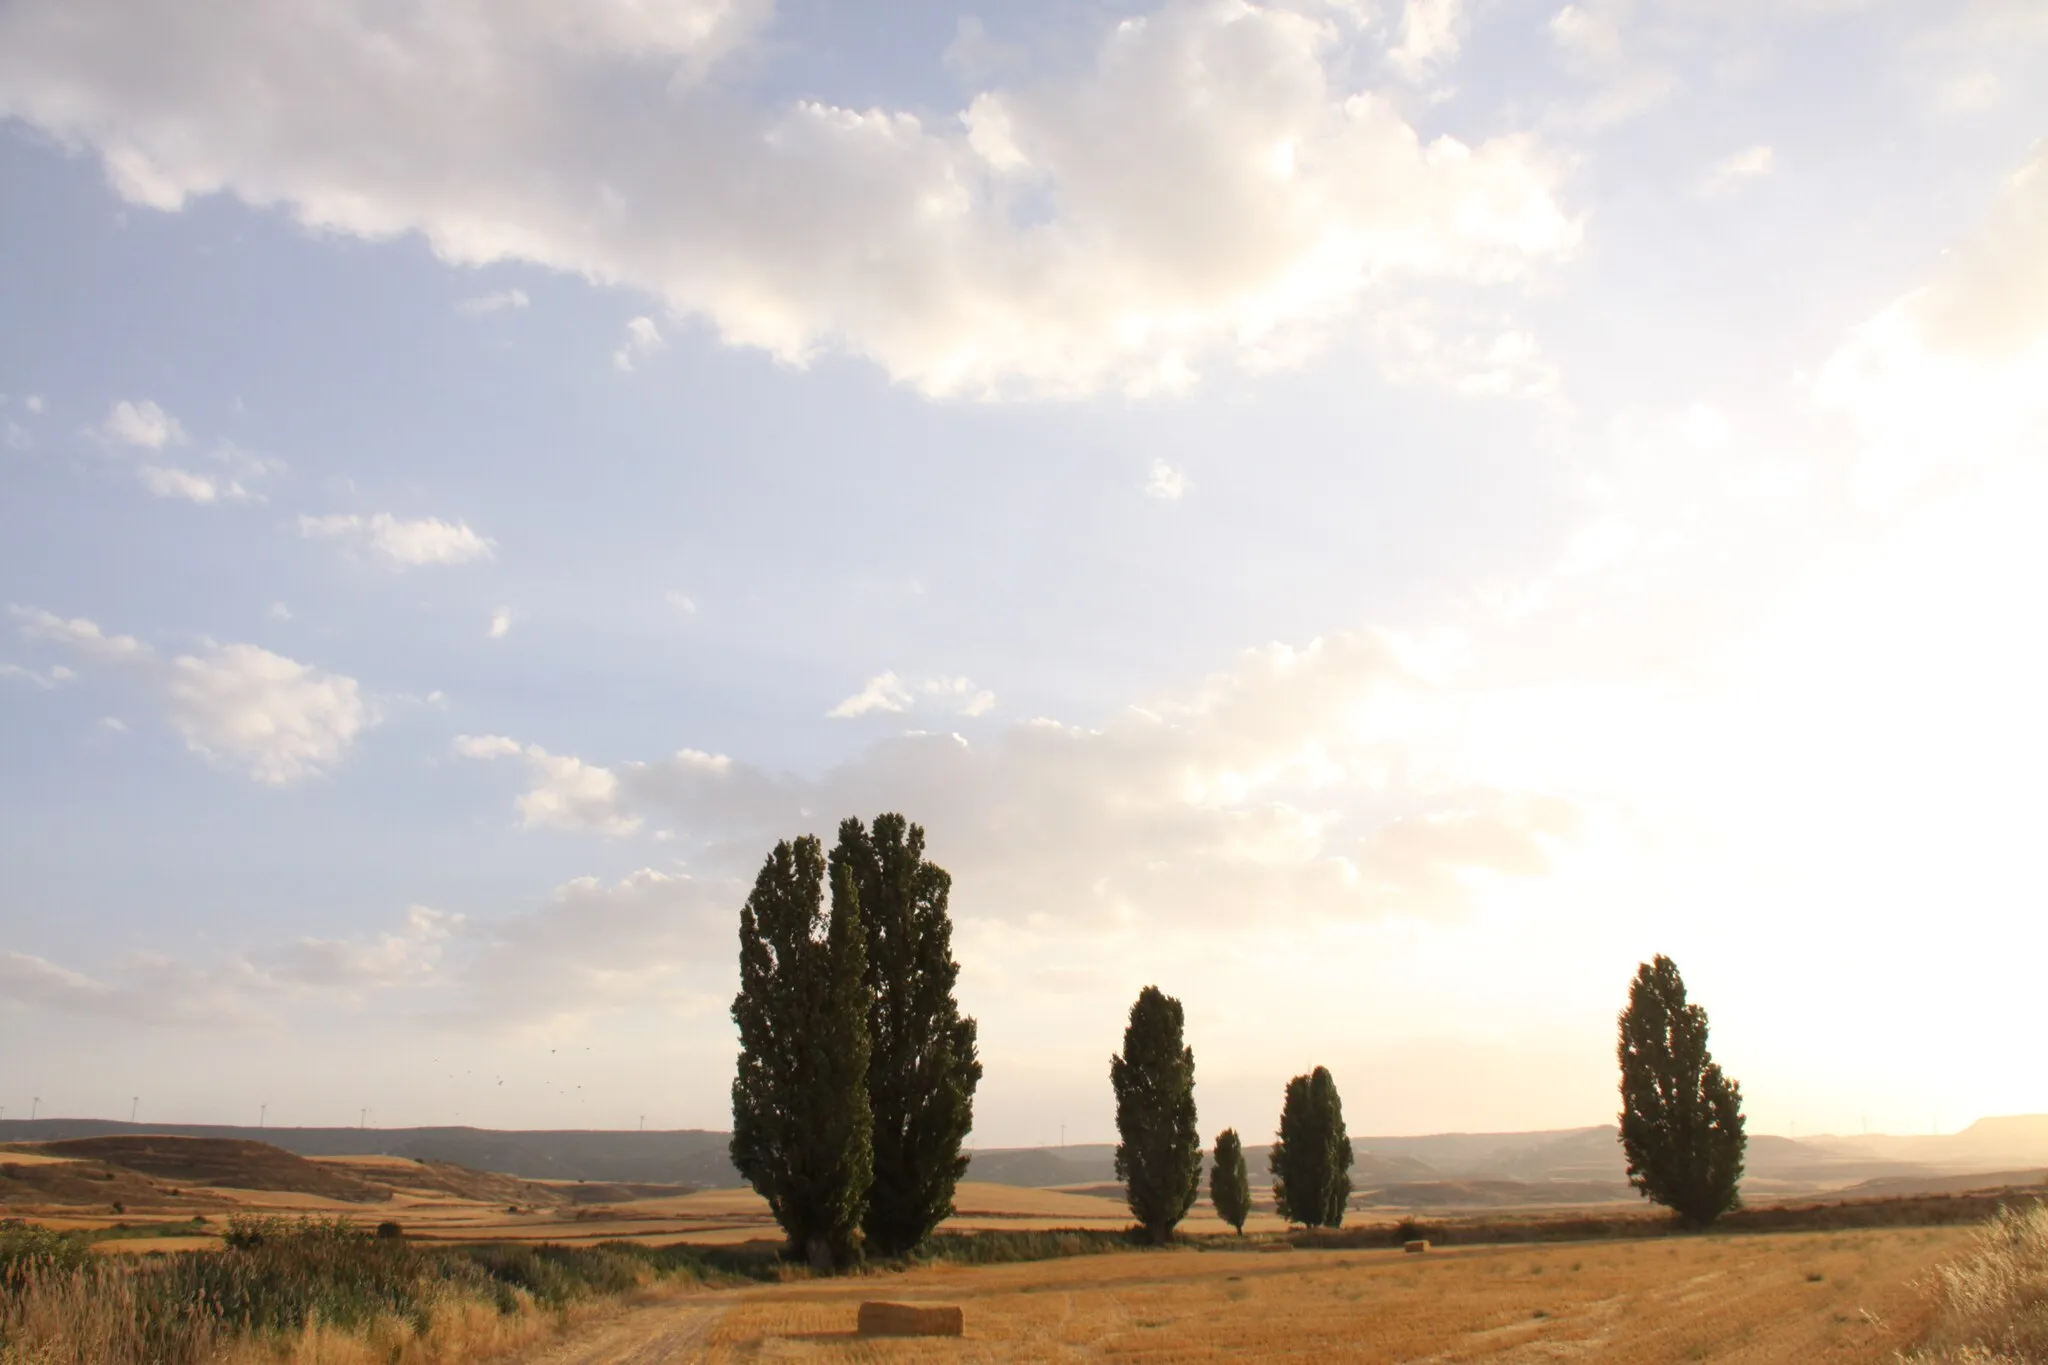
1229	1188
1681	1118
922	1070
1160	1156
800	1123
1311	1157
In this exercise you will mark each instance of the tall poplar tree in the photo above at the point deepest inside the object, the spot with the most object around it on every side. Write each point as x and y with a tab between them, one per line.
1311	1157
1229	1188
1160	1157
801	1132
922	1070
1681	1119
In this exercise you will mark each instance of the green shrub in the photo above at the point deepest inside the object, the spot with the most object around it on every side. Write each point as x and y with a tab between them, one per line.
28	1249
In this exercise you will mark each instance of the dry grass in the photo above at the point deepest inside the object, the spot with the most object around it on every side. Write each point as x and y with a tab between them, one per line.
1812	1298
1994	1302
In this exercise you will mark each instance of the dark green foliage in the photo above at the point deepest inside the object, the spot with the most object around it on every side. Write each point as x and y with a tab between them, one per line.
1229	1189
922	1067
1311	1159
185	1308
800	1119
1160	1156
30	1249
1681	1119
1003	1248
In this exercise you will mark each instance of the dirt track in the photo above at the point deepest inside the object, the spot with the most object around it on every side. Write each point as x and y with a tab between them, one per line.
650	1334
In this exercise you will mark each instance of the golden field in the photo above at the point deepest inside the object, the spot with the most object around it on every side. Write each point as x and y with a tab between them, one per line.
1792	1297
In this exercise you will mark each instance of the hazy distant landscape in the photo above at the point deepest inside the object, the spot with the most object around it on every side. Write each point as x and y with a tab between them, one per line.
1498	1170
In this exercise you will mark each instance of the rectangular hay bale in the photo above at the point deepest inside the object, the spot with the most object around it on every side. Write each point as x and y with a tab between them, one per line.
1416	1247
910	1320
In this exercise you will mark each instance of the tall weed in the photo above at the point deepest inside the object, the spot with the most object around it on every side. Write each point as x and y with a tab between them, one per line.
1994	1303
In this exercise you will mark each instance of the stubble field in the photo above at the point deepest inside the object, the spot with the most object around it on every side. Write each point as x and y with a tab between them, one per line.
1795	1297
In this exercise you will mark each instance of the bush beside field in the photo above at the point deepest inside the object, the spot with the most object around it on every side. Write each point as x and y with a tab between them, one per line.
280	1284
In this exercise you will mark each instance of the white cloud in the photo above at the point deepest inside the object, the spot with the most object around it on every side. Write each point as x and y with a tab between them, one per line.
1165	482
889	693
502	301
1323	781
277	719
682	602
143	425
883	692
115	724
402	544
149	991
34	403
501	623
167	482
1735	170
567	793
641	337
80	634
355	967
485	746
54	676
273	718
279	612
1219	186
1431	32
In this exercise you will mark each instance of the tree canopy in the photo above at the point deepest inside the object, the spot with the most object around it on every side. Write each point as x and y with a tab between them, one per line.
922	1067
1229	1188
1681	1118
1311	1159
801	1133
1159	1157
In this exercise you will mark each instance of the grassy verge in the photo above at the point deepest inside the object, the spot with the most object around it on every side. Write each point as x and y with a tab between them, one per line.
313	1289
1994	1302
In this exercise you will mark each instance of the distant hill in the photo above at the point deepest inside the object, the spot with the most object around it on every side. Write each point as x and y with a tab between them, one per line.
1585	1157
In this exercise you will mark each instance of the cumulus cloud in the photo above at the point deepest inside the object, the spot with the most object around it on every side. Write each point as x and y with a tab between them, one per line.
168	482
888	693
54	676
359	967
501	623
401	544
273	718
1165	482
1306	780
1206	184
1430	36
502	301
148	990
642	338
567	793
143	425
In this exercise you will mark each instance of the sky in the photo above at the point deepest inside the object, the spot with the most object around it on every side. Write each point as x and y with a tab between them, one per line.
1375	516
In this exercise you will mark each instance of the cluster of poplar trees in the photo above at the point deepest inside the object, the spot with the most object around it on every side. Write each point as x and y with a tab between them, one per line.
1159	1151
857	1070
1681	1120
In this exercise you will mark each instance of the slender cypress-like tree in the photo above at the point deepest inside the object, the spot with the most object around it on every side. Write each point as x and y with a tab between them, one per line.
1681	1119
1160	1157
800	1123
1229	1189
1311	1158
923	1069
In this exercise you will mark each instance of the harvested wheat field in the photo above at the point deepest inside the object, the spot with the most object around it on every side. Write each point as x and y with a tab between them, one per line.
1793	1297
